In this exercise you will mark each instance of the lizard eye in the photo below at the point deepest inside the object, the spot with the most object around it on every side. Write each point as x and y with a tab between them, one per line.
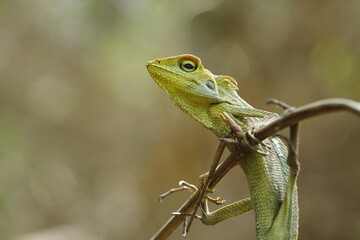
188	65
210	84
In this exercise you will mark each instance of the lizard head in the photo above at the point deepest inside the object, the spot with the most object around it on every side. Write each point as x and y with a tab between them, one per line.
195	89
184	78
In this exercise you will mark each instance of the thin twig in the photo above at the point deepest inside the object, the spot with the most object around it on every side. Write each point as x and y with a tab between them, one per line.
286	120
204	187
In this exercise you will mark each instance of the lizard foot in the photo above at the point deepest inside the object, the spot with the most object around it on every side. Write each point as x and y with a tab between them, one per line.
184	186
251	141
249	138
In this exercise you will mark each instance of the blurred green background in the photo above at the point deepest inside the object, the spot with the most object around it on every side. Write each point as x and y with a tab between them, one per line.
88	141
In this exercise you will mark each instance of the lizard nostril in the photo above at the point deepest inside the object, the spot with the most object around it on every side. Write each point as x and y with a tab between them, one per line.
158	61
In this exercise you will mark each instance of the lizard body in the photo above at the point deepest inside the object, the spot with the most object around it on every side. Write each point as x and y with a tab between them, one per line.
205	97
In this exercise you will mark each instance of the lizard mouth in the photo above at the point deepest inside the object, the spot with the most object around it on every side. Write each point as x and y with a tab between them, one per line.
151	64
158	74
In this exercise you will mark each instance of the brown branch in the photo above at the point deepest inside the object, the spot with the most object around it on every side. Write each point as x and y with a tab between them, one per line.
307	111
287	119
203	188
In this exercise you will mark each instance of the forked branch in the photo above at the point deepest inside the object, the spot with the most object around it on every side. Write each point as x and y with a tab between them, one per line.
287	119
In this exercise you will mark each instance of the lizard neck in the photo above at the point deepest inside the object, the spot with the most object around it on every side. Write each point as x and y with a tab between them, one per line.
205	113
197	110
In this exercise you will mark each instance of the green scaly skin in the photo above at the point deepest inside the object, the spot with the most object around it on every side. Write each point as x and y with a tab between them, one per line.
205	97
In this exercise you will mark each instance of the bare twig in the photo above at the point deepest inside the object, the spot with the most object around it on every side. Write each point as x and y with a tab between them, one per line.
286	120
203	189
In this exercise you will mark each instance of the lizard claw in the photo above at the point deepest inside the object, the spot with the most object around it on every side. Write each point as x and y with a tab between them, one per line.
215	200
251	141
238	132
249	138
184	186
189	185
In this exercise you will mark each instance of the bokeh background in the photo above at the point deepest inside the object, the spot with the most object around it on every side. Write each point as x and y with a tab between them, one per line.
88	141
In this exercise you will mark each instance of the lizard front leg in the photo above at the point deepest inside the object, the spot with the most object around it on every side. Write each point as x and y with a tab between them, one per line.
226	212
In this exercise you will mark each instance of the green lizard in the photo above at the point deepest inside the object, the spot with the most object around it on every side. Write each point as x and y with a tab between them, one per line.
272	183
